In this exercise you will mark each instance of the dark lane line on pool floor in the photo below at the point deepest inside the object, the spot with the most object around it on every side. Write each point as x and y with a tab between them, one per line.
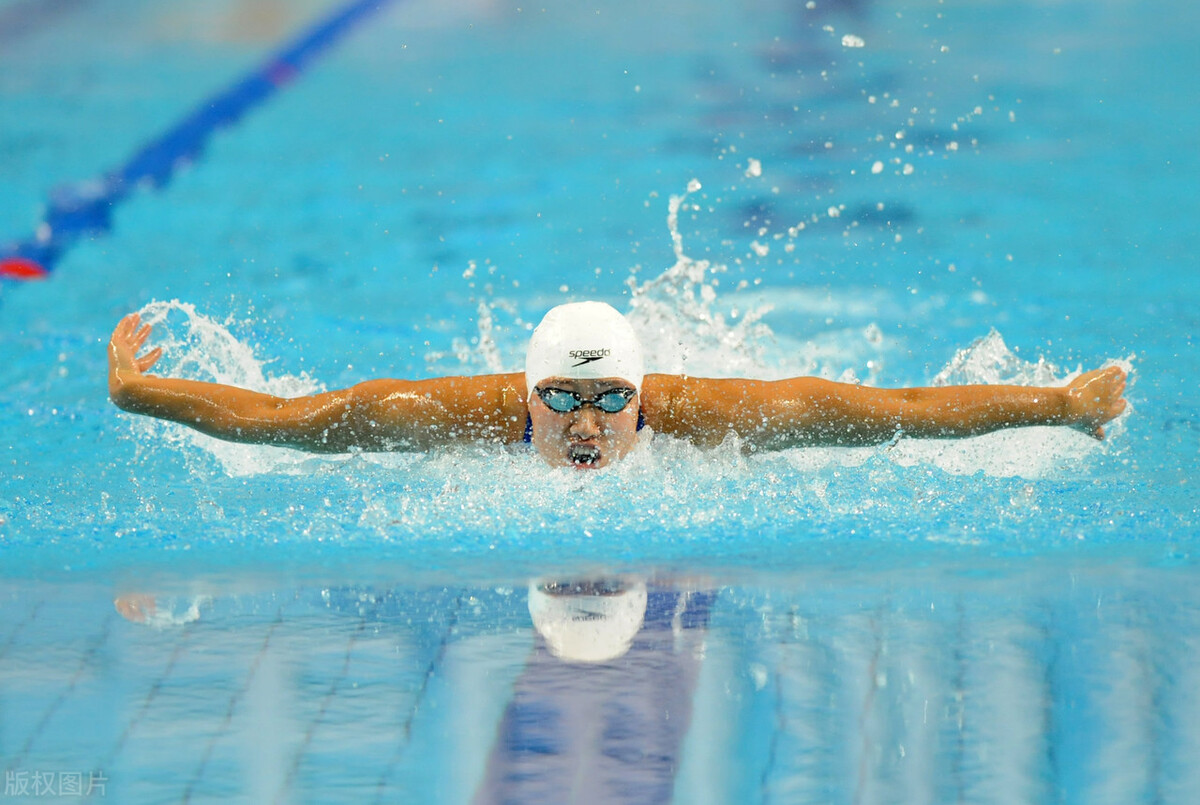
84	209
87	660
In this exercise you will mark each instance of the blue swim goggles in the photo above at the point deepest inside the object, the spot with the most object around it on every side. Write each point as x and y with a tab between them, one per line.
564	402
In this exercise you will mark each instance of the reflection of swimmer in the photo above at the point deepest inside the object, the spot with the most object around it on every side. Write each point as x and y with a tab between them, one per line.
150	610
583	397
592	621
601	709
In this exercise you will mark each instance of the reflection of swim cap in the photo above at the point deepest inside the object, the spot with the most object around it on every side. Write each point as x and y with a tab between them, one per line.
583	340
588	627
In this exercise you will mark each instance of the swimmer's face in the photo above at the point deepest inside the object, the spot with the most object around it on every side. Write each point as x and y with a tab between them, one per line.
586	438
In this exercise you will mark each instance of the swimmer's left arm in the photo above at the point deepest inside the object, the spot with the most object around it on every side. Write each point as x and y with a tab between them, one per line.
812	411
851	414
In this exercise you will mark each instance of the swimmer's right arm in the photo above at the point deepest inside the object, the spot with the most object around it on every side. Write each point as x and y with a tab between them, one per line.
375	415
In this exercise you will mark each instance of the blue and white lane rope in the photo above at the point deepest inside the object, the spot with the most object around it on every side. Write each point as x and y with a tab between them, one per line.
85	209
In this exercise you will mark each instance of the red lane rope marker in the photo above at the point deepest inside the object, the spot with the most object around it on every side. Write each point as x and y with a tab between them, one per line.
19	268
85	209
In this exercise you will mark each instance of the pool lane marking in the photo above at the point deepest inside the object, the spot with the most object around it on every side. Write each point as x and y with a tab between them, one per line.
289	780
230	707
12	636
381	787
85	663
84	209
148	700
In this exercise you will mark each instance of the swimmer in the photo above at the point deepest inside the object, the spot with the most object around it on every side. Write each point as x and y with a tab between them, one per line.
583	398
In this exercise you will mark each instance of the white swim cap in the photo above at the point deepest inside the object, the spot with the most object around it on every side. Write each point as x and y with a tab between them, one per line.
583	340
586	626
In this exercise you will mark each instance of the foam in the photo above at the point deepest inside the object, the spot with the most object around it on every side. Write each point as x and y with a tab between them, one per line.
667	496
198	347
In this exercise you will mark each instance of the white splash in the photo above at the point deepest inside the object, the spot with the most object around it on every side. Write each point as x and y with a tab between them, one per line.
689	324
989	360
678	319
1033	452
198	347
497	346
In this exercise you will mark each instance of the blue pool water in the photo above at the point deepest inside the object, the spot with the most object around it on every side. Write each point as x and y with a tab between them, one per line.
895	192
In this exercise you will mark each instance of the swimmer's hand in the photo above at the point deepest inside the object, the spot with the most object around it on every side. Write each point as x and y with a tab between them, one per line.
144	608
124	365
136	608
1095	398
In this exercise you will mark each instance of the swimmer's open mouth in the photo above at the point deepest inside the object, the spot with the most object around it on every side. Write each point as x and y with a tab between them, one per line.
583	455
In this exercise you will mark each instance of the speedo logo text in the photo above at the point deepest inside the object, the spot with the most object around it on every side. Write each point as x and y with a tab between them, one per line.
588	355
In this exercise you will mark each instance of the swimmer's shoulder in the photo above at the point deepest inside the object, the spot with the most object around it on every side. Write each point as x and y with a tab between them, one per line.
486	407
660	391
490	407
508	391
683	406
662	394
705	410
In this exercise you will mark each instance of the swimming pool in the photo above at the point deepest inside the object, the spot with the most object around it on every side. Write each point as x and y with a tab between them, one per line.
899	192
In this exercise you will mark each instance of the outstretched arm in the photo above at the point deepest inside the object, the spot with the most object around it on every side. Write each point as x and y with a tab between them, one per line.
811	411
376	415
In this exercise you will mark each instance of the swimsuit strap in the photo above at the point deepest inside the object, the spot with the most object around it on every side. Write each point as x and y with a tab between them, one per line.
528	437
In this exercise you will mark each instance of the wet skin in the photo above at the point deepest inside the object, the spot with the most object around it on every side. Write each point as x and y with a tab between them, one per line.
586	438
392	414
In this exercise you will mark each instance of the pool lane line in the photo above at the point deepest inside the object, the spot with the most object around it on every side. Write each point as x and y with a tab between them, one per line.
382	793
12	636
148	700
85	663
283	794
84	209
231	706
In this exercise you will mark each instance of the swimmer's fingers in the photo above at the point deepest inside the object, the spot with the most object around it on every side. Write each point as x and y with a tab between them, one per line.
120	353
149	359
127	340
1097	397
126	327
124	365
139	337
135	608
133	332
121	345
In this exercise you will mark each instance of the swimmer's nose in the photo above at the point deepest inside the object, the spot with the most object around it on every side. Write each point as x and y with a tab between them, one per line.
586	423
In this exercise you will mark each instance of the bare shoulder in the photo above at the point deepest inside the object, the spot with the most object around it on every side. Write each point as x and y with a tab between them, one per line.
705	410
764	413
449	389
662	392
460	407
